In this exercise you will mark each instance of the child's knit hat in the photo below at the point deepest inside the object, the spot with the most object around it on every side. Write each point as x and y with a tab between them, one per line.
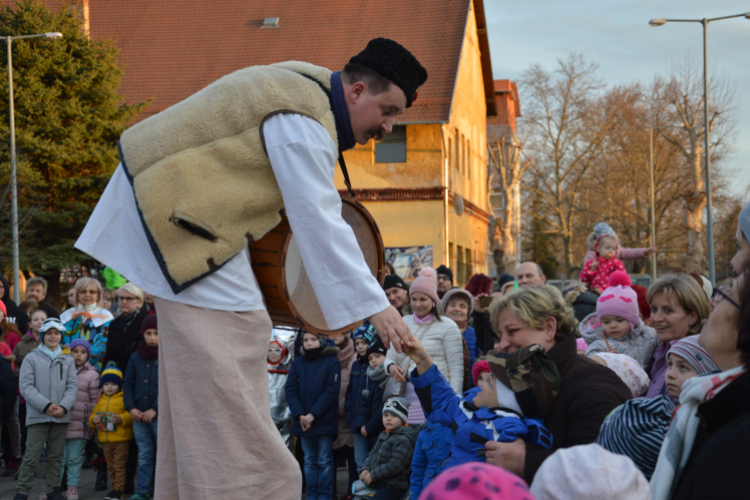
365	332
398	406
629	371
477	480
111	375
3	309
589	472
695	355
51	323
479	368
636	430
619	300
376	346
426	283
81	343
149	323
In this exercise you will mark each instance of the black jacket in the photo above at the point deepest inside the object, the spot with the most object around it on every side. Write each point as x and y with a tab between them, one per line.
51	310
7	390
589	392
15	314
719	460
483	330
123	339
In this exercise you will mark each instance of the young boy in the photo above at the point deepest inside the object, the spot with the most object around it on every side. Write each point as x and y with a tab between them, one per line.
114	427
637	428
78	430
516	391
312	391
362	337
388	466
141	396
49	384
369	421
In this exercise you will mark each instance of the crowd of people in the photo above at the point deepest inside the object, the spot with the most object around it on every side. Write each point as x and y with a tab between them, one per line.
79	389
636	394
508	389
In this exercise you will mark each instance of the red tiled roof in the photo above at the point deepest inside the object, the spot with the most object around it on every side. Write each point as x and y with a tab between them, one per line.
171	49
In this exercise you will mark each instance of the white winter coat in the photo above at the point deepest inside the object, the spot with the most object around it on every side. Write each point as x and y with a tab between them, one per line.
443	342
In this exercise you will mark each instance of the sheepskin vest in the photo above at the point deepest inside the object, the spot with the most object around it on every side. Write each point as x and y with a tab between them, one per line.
202	180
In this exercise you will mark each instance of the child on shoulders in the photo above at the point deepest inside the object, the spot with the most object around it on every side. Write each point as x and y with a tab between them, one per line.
619	328
596	272
622	253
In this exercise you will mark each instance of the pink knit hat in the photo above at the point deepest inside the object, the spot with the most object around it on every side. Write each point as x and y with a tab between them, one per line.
476	480
479	368
619	300
426	283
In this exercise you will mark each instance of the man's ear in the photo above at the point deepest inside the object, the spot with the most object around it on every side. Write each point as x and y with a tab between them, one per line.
356	91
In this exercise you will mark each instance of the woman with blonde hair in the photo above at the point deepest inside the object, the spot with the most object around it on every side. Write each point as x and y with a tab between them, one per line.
537	314
88	320
678	307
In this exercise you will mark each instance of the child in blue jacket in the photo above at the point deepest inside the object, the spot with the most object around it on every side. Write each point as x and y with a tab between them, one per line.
491	412
140	394
430	454
369	421
362	338
312	392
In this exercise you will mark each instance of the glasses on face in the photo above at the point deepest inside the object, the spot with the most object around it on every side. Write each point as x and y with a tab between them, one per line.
88	292
724	296
127	299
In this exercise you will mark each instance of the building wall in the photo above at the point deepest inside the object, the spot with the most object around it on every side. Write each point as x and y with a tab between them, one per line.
415	222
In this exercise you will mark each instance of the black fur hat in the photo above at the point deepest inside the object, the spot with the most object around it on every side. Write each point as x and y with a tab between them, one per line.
395	63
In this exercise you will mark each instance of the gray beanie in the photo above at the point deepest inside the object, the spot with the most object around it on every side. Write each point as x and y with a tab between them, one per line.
604	228
745	221
398	406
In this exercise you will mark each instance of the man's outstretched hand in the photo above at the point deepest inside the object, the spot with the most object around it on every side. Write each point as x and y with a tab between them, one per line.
391	328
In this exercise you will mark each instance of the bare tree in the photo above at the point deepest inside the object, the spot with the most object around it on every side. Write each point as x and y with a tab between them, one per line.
504	173
566	123
682	92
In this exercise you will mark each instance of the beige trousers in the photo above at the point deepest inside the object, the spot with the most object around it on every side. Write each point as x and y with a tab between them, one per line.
216	438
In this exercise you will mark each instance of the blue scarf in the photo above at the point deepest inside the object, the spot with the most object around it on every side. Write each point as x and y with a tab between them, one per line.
50	353
341	114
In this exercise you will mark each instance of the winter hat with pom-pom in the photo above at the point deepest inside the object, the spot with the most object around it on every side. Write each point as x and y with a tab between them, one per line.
426	283
619	300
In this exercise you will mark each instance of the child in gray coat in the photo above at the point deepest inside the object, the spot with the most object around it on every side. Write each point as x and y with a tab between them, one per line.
388	466
49	384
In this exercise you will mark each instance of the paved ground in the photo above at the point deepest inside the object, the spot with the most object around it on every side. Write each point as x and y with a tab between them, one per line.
86	487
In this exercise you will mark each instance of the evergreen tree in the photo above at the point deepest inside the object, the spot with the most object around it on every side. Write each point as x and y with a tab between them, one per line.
68	119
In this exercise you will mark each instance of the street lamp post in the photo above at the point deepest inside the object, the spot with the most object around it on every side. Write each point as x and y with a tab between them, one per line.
704	22
653	211
13	183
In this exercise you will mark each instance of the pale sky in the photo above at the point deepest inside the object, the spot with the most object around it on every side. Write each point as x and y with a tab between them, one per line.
616	35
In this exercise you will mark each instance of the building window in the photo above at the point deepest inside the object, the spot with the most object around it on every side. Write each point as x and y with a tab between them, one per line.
468	158
392	148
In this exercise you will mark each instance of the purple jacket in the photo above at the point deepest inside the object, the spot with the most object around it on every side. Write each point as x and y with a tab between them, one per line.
86	398
622	254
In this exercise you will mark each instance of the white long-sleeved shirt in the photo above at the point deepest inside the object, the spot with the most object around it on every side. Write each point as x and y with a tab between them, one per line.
303	158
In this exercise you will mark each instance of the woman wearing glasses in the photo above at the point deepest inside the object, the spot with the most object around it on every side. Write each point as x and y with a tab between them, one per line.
125	330
88	319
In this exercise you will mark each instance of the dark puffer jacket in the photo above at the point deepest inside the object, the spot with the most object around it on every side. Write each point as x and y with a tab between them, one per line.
7	390
389	461
589	392
313	387
719	458
140	389
123	339
14	313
